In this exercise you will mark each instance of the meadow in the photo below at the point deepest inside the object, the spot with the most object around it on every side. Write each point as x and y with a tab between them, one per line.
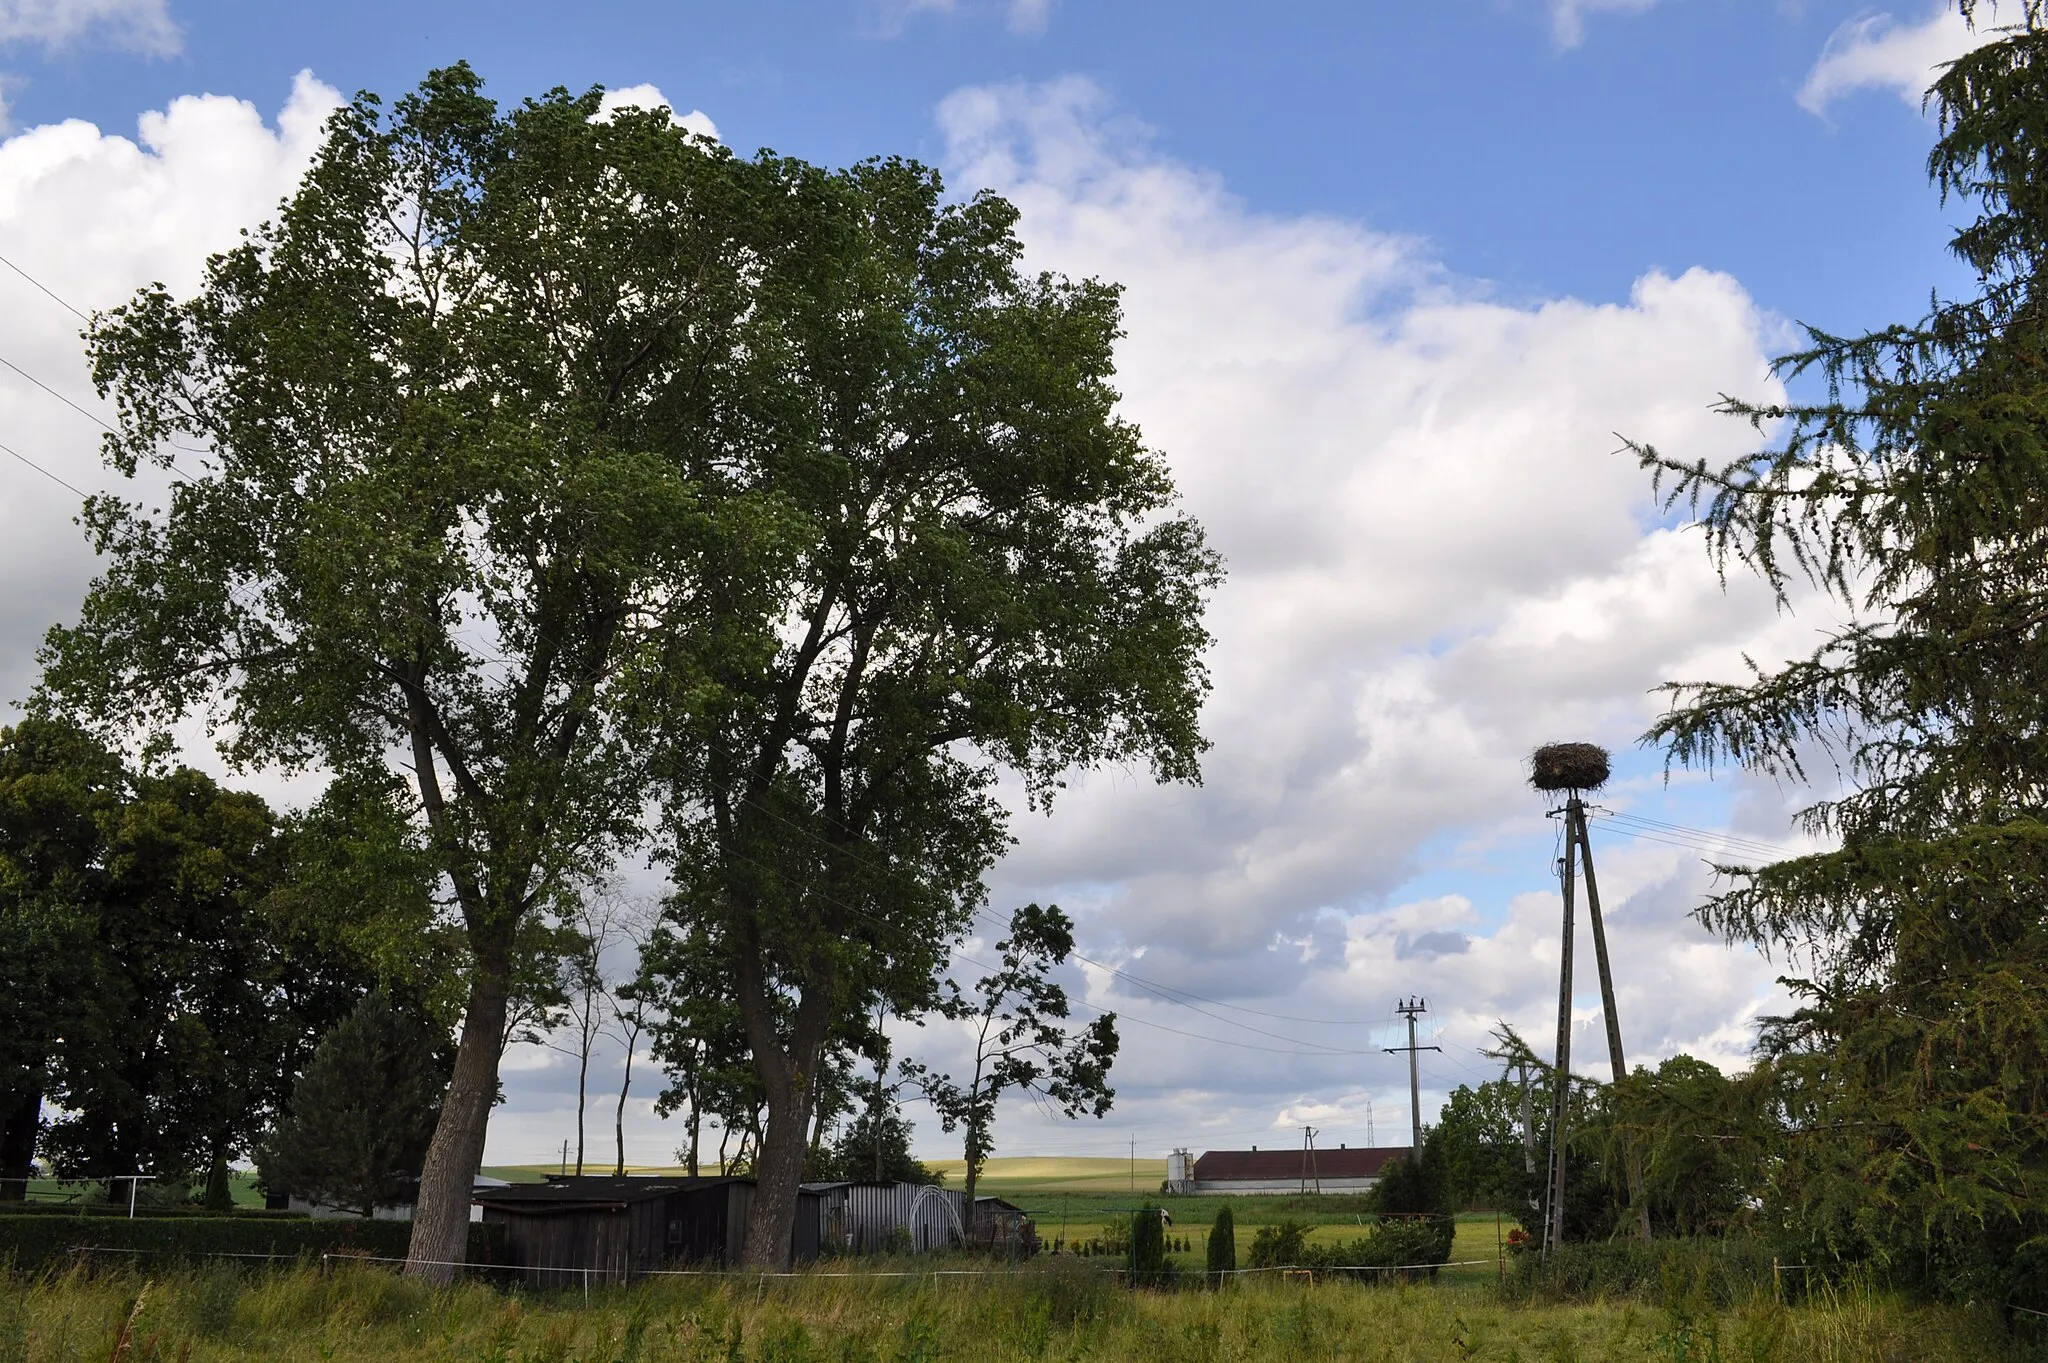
1050	1310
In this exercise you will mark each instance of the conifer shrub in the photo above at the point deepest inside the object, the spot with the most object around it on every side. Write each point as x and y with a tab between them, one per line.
1222	1246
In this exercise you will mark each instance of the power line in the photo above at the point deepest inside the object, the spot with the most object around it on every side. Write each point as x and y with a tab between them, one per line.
88	415
45	472
46	291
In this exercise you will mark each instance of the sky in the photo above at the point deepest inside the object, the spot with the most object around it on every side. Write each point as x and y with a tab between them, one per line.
1399	279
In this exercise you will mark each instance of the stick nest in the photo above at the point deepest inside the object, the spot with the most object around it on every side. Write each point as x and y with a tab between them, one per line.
1568	766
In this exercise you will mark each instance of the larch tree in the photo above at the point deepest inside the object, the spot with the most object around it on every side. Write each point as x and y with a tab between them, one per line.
1912	487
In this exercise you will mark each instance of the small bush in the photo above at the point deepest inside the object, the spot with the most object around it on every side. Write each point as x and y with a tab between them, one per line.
1222	1248
1718	1272
1148	1248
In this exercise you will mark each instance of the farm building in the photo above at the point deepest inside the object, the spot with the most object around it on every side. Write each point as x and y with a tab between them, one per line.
615	1229
1347	1169
873	1218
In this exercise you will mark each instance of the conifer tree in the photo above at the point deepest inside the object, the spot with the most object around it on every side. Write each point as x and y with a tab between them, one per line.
363	1113
1222	1246
1910	484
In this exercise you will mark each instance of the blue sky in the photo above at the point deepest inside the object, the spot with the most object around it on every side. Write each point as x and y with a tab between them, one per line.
1666	137
1397	273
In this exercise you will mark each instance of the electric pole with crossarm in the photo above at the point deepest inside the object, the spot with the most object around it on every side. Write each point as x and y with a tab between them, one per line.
1409	1011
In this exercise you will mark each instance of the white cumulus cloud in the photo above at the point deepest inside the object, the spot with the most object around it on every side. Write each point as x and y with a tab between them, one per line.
1437	560
650	98
142	25
1876	51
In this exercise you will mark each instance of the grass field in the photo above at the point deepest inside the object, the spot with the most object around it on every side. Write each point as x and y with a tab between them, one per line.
1057	1310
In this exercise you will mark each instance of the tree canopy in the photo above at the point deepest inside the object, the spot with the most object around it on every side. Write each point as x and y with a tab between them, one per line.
1911	486
542	454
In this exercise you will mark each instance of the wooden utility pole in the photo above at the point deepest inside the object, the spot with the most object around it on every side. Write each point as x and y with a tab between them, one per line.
1308	1160
1575	820
1409	1010
1561	1071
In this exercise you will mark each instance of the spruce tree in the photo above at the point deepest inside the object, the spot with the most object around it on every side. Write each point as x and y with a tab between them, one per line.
363	1113
1909	482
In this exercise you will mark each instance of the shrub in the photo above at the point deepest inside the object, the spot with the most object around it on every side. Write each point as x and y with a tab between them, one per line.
1222	1245
1281	1244
1716	1271
1148	1247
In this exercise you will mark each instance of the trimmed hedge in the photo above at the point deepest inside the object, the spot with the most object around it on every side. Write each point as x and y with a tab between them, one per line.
35	1242
74	1210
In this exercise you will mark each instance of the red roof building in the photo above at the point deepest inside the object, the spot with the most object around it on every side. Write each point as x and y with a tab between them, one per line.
1346	1169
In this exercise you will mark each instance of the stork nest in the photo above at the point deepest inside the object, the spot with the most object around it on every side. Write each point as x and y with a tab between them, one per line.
1568	766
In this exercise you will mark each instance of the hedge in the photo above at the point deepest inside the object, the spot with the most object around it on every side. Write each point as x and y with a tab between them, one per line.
74	1210
1722	1272
34	1241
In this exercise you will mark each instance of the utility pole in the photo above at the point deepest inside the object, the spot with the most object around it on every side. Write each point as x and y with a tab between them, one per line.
1308	1160
1561	1073
1134	1164
1409	1010
1575	823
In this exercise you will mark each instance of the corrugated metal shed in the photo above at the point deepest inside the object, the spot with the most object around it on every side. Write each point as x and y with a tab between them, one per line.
858	1218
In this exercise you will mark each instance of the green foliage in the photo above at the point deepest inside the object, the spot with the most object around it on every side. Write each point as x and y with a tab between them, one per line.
1149	1267
35	1241
1222	1245
1016	1012
1478	1137
554	456
1278	1244
163	986
1721	1271
880	1141
362	1114
1912	488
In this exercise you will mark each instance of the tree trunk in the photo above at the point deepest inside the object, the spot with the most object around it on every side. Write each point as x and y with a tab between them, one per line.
778	1169
619	1119
696	1131
20	1125
582	1100
220	1192
440	1221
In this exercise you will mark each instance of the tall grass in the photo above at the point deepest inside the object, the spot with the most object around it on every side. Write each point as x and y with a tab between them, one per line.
1049	1311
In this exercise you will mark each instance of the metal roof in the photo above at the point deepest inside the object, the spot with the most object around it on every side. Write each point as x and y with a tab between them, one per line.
591	1190
1225	1166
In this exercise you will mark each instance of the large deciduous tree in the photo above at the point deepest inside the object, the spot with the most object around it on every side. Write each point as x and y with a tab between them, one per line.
57	788
164	978
1913	488
439	441
977	568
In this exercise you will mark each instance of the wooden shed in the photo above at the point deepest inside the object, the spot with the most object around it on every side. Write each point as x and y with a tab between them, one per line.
609	1230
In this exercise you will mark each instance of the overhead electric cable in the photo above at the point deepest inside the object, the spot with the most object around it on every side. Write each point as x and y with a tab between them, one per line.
45	472
46	291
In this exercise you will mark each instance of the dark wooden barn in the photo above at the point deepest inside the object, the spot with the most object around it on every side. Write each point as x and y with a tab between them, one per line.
611	1230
